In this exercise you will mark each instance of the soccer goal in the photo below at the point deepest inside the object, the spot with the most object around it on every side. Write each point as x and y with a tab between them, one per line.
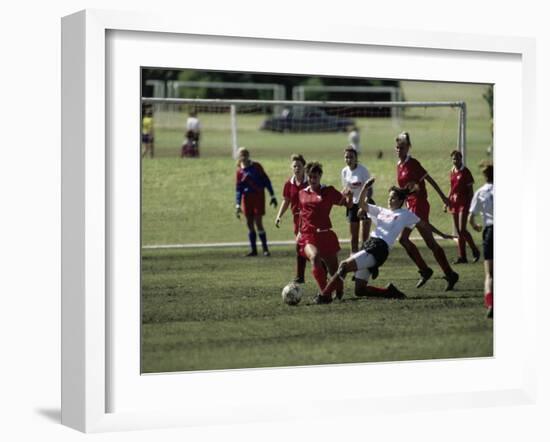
307	126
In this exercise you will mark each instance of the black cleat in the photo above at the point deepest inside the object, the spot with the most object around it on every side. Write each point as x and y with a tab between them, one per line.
490	313
477	255
299	280
394	292
266	253
452	279
251	254
425	275
460	260
320	299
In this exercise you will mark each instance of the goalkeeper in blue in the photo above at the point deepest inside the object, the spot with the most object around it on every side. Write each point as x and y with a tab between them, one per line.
251	182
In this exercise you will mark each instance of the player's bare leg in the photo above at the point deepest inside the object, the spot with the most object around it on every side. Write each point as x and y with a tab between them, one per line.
439	254
425	272
467	237
354	234
337	278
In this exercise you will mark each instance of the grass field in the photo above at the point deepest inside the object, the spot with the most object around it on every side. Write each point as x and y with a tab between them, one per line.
202	309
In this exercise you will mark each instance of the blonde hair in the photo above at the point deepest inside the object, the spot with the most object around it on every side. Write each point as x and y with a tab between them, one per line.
404	137
243	151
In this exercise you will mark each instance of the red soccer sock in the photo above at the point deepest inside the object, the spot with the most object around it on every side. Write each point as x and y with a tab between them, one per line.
300	263
320	276
376	291
441	259
489	299
335	283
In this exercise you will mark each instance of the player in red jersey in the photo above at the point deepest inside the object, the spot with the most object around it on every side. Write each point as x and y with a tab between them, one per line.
460	197
411	174
316	241
291	189
251	181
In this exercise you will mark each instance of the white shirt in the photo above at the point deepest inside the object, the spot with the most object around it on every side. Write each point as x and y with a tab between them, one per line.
193	124
390	223
482	202
354	180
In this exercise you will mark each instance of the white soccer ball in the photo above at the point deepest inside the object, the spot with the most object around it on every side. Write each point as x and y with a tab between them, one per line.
292	293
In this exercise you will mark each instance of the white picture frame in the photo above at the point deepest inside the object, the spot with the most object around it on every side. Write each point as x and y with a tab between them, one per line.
90	171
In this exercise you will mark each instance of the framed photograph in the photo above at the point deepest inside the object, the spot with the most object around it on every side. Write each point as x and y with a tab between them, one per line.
163	329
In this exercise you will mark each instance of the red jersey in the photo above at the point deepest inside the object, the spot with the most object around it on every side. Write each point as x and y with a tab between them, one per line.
461	188
290	192
409	171
315	208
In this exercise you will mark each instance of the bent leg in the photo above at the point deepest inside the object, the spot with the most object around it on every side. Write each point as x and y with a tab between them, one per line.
412	250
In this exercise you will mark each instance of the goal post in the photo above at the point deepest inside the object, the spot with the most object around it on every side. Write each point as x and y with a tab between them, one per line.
314	116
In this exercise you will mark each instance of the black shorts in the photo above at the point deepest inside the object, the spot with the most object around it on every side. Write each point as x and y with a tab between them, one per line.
488	242
378	248
351	212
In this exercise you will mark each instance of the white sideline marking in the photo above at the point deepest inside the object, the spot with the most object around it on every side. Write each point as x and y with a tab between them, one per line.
238	244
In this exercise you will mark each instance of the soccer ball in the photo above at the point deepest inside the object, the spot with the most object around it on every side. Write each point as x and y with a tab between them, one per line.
292	293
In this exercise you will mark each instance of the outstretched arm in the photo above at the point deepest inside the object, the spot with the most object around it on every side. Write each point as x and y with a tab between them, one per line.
364	193
430	180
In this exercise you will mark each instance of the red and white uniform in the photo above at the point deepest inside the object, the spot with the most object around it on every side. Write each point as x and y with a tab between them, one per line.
411	171
291	190
315	225
461	192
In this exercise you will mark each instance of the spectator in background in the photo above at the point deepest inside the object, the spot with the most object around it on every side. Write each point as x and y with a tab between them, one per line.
147	133
251	180
193	131
482	203
353	138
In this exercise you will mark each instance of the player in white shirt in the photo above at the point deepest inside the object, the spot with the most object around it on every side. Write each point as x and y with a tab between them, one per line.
354	176
482	204
192	135
390	223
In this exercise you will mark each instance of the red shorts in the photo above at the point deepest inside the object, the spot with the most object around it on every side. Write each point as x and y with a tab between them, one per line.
253	204
420	208
459	205
326	243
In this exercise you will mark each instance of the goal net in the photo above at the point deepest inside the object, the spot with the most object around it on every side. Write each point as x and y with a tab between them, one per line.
314	128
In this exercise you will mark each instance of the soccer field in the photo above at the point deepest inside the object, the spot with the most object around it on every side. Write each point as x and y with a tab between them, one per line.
205	309
211	308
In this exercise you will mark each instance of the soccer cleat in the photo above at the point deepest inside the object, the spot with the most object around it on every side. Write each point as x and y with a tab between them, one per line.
253	253
490	313
394	292
425	275
320	299
266	253
451	279
299	280
477	255
460	260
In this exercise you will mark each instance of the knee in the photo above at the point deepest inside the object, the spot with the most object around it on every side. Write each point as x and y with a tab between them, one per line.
405	242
